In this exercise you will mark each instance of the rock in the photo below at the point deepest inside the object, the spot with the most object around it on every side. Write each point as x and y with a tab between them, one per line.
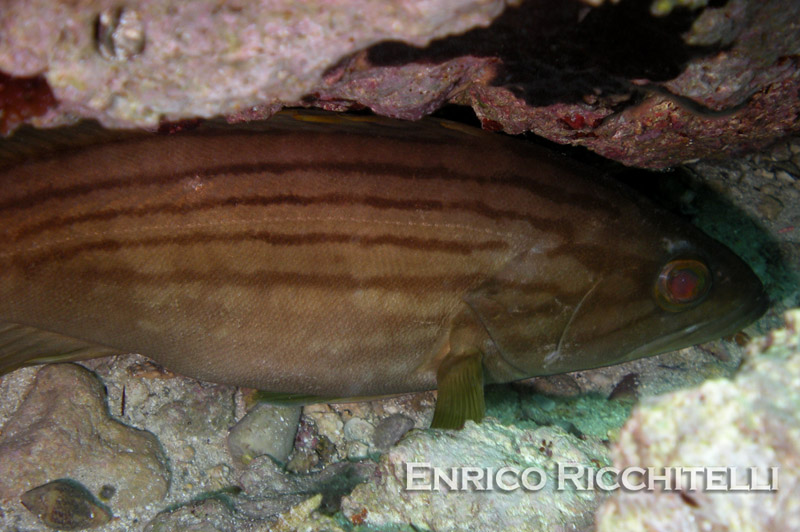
770	207
63	430
552	67
385	501
750	421
217	514
127	64
328	431
355	450
66	505
191	419
303	517
265	430
563	385
269	490
14	387
305	456
358	430
390	430
208	515
781	151
328	423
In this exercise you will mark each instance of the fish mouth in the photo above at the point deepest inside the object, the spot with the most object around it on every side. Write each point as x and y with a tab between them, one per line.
705	331
758	310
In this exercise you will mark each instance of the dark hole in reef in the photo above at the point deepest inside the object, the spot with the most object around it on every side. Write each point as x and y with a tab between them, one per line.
561	50
458	113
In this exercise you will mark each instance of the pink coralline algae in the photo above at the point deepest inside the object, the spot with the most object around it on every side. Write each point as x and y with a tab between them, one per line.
697	81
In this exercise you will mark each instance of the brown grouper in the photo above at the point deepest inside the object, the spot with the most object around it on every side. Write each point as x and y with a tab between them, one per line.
341	257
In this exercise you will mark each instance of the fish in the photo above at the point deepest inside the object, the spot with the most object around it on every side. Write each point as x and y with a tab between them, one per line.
334	256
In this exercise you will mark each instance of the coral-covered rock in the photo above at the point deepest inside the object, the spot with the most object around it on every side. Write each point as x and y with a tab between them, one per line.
208	515
147	60
269	490
63	430
650	84
752	421
386	501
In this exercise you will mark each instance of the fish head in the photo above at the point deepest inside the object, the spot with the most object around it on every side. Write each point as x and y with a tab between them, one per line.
692	295
663	294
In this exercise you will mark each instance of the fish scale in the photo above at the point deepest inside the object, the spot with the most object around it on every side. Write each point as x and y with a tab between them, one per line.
346	257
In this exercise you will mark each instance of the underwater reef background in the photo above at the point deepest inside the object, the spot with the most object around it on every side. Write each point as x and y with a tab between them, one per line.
714	85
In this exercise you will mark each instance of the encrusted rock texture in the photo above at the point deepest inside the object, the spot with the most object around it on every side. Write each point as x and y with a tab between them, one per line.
750	421
650	84
136	63
63	430
387	500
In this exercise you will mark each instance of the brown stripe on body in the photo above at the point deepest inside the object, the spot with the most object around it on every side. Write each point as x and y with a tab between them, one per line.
338	200
266	279
89	200
517	183
69	250
80	214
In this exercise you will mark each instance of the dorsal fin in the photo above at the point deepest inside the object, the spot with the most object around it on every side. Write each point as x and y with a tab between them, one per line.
21	345
28	142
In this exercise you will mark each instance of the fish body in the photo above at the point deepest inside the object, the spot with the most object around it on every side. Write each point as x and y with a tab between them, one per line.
345	257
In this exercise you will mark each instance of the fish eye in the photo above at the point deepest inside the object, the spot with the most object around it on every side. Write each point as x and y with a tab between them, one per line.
682	284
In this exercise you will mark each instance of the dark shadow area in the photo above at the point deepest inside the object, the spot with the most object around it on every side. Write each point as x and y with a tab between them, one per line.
680	192
560	50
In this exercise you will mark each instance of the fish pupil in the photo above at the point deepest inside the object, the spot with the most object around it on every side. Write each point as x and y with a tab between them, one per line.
683	285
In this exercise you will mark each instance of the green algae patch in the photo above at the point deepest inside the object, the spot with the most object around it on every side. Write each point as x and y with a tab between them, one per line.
582	415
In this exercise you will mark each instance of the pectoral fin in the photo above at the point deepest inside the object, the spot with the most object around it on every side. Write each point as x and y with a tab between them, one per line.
21	345
460	382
